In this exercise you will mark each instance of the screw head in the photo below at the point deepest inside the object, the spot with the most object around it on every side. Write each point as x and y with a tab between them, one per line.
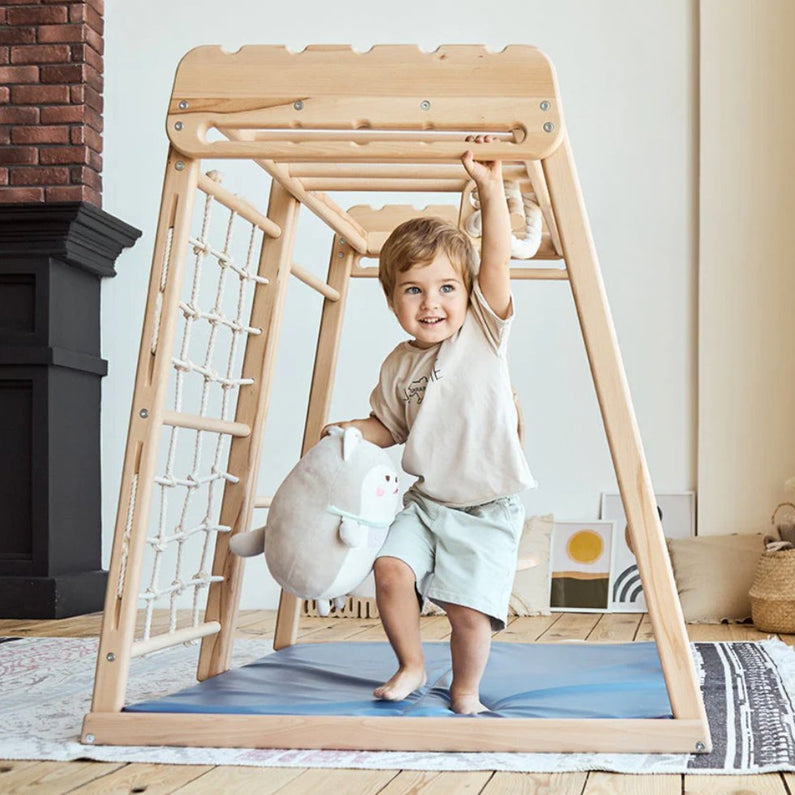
425	104
700	747
340	255
298	105
143	413
183	105
89	738
178	125
111	657
179	165
549	126
544	105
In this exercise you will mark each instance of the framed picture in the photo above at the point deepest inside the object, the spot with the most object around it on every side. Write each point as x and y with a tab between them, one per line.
580	566
678	516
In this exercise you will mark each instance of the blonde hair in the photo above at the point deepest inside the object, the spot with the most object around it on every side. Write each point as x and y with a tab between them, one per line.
417	242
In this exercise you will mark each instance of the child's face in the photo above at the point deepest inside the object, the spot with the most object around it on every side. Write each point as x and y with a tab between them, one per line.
430	301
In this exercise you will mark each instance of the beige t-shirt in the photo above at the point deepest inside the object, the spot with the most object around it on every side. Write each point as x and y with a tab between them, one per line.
452	405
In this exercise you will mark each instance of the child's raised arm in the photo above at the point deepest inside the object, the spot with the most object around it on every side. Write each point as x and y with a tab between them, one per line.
495	251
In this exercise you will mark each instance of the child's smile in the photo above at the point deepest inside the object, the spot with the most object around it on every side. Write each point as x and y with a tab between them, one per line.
430	301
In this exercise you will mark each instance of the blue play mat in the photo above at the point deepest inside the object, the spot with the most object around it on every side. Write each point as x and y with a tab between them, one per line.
522	680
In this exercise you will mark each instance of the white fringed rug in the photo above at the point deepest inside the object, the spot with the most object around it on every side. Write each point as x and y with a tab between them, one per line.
45	689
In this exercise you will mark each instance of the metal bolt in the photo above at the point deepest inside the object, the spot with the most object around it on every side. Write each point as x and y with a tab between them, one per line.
342	241
545	105
143	413
179	165
178	125
183	105
549	126
700	747
89	738
425	105
111	657
298	105
340	255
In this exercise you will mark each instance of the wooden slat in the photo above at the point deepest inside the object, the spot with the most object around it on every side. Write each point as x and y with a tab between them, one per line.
167	639
615	627
139	777
240	206
382	733
210	424
51	777
623	437
762	784
233	779
638	784
395	87
245	454
535	783
316	284
435	782
151	383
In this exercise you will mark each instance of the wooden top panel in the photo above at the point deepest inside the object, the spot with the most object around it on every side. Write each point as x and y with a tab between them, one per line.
389	104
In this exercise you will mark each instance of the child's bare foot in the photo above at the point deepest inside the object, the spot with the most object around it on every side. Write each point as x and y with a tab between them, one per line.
466	704
404	682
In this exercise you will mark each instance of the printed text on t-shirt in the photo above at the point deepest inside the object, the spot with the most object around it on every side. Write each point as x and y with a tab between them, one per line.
416	389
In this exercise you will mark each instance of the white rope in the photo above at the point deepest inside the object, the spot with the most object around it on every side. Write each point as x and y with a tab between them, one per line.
524	247
125	546
181	531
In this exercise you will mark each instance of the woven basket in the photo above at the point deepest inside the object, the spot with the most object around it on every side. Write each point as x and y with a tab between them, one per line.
773	592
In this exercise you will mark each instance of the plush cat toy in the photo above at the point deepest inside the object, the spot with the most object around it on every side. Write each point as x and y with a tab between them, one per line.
328	519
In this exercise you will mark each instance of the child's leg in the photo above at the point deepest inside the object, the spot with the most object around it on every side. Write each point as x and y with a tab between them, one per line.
470	642
400	614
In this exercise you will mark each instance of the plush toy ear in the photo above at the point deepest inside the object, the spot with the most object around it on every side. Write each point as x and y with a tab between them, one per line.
352	534
350	441
335	430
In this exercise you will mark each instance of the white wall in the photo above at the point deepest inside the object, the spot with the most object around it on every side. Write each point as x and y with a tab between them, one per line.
626	73
747	279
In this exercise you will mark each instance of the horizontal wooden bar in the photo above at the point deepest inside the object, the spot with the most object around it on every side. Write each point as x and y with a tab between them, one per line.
385	185
197	423
240	206
263	502
312	281
449	171
536	274
455	733
175	638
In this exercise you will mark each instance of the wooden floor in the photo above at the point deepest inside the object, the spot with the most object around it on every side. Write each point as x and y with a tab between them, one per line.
99	777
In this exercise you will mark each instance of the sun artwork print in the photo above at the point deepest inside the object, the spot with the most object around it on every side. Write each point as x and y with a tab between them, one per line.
581	554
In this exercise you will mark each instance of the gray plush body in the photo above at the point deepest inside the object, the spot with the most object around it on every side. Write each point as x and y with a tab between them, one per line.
328	518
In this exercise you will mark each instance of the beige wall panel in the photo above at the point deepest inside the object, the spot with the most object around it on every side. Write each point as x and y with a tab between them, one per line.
747	262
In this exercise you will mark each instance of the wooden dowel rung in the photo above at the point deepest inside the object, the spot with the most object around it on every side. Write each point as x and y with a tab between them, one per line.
263	502
238	205
168	639
453	171
197	423
539	274
312	281
417	185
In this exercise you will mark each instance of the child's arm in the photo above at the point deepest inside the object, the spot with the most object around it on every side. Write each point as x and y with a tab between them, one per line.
373	430
495	251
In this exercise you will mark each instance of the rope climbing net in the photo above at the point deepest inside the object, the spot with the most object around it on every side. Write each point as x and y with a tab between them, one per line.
207	373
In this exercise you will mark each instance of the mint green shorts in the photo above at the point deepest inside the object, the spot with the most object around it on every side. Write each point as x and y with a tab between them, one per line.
464	556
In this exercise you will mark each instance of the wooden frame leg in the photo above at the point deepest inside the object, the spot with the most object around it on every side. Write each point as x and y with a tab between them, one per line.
328	343
623	437
146	417
252	409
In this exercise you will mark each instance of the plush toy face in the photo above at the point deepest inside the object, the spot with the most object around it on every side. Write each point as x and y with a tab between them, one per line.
329	517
